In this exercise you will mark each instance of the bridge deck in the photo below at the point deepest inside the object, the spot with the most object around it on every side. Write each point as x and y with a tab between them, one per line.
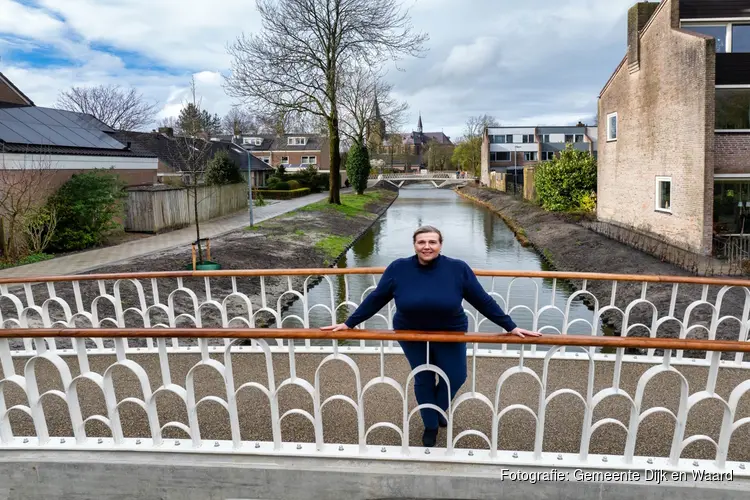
562	431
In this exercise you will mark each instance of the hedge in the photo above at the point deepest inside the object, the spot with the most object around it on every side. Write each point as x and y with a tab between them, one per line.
275	194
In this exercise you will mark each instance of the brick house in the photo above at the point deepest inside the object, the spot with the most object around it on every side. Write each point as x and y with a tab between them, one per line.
674	153
294	151
63	143
510	149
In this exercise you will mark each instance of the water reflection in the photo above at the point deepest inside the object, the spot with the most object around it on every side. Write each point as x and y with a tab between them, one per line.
471	233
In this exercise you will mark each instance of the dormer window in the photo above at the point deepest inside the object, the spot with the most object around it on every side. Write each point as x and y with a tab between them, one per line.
296	141
253	141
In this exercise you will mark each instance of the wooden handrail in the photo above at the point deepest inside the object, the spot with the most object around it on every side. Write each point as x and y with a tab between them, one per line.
380	335
240	273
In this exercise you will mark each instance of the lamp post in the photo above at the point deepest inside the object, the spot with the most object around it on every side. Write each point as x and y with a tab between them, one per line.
250	187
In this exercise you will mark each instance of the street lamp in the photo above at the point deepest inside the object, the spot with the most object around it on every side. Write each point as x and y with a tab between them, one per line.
250	187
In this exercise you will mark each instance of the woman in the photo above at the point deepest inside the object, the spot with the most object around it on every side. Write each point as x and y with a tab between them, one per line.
429	290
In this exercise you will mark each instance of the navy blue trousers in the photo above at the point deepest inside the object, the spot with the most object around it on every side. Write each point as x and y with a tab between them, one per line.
449	357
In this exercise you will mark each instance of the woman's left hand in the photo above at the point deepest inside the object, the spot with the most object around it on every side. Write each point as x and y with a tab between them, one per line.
520	332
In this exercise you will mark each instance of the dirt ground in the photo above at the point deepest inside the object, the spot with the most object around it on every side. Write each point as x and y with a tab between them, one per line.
285	242
568	246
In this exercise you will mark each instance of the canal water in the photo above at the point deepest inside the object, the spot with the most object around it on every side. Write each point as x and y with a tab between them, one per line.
471	233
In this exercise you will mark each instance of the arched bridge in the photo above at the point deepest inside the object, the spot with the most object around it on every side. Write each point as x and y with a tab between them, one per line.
438	179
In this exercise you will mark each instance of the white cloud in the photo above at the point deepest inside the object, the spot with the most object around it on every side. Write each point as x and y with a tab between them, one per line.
520	61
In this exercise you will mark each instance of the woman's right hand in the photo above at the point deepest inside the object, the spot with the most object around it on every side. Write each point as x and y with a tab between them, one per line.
335	328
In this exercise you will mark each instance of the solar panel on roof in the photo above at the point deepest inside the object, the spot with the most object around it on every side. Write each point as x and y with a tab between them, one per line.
54	127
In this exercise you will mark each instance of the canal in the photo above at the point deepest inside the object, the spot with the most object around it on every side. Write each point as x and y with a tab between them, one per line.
471	233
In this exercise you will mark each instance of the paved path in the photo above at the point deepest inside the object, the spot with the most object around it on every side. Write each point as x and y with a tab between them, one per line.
92	259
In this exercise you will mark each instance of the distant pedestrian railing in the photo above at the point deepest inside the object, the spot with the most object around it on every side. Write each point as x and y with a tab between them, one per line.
176	361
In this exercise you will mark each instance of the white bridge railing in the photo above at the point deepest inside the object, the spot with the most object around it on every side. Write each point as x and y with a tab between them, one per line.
157	362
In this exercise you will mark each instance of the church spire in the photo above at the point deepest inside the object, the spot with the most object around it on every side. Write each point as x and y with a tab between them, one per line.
419	123
377	109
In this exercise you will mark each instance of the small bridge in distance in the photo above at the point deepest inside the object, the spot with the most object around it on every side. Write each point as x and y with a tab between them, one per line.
438	179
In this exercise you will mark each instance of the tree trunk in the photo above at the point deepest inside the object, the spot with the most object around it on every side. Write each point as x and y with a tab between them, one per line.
335	141
197	224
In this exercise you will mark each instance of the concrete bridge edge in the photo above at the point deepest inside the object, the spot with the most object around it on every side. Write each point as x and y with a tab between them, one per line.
184	476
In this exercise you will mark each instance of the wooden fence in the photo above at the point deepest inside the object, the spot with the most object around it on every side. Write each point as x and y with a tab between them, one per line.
153	209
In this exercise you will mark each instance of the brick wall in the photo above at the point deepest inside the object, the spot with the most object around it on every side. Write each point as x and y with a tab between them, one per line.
732	153
295	157
665	128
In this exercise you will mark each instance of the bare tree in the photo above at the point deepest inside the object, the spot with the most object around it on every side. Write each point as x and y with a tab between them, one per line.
25	184
475	125
121	109
191	151
296	62
167	122
364	96
238	121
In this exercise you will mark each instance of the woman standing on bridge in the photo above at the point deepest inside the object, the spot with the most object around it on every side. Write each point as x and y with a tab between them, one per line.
429	290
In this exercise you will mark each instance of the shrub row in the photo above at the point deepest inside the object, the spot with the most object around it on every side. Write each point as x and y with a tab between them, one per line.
277	194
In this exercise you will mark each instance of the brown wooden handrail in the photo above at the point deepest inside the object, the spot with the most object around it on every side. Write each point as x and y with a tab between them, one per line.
694	280
380	335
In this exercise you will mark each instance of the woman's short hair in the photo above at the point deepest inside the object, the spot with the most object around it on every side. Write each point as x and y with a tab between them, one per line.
427	229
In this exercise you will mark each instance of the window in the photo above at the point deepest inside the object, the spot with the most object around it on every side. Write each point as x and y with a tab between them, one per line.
266	159
528	139
733	109
569	138
717	31
529	155
255	141
296	141
612	127
548	155
309	160
663	194
579	138
497	139
741	38
509	139
500	156
285	160
545	138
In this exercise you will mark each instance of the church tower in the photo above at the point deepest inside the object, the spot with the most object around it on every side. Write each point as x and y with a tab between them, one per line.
375	128
419	124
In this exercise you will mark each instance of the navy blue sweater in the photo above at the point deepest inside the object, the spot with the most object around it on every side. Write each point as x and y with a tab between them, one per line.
429	297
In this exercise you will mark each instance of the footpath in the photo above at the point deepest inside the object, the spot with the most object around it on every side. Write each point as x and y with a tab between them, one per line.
82	262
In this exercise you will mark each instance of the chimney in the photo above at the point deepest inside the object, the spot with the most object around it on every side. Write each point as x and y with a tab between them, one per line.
168	131
638	16
127	146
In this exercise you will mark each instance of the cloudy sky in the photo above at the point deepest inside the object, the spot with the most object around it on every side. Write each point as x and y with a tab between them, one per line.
524	61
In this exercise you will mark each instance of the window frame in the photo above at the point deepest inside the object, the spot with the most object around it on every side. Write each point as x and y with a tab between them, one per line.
255	141
576	136
534	153
528	139
728	24
548	155
731	87
509	139
296	141
303	162
658	192
546	137
610	138
284	162
497	156
266	160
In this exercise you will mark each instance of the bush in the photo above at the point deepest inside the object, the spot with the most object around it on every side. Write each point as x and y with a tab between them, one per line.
567	182
86	208
282	186
358	167
222	170
272	194
280	173
294	184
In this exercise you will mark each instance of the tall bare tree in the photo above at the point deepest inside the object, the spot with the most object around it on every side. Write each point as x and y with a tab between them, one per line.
296	62
191	151
239	121
475	125
120	108
364	94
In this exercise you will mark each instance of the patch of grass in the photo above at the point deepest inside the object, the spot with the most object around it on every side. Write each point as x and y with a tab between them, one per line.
31	259
351	204
299	232
334	245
